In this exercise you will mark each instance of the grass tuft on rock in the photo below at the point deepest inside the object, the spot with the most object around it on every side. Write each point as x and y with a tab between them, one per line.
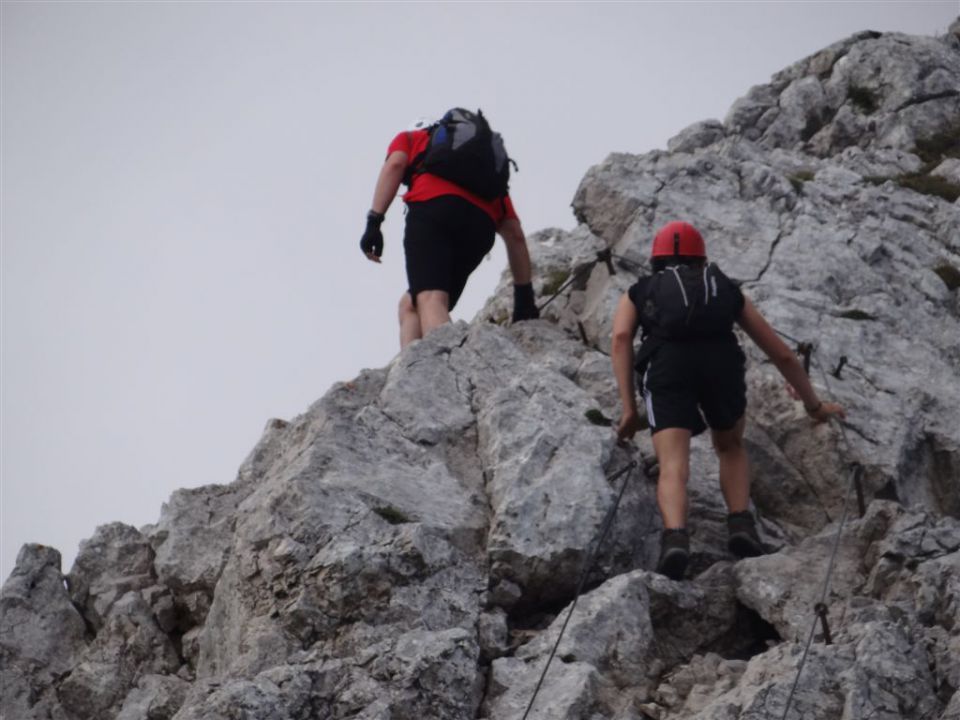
930	185
555	280
798	179
922	183
934	150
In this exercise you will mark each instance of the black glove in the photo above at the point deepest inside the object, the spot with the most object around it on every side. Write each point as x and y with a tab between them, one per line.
524	306
372	240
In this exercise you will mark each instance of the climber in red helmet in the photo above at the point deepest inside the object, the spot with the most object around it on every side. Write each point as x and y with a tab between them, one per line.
692	374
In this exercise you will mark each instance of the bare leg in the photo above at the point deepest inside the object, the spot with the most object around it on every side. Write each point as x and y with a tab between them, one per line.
734	466
432	308
409	321
672	446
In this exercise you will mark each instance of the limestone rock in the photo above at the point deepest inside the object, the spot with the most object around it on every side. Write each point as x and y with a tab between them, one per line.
130	644
115	561
156	697
871	90
696	136
41	634
410	546
949	169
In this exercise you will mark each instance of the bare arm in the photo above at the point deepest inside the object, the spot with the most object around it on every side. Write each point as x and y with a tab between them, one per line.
625	321
388	182
517	254
766	338
391	175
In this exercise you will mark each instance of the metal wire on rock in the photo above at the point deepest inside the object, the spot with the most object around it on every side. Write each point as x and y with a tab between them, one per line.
604	256
607	522
820	607
823	599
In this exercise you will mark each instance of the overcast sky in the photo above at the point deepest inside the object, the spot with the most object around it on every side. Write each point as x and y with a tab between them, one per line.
184	187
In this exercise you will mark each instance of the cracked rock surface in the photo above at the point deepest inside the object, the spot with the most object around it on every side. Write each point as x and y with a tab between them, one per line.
410	546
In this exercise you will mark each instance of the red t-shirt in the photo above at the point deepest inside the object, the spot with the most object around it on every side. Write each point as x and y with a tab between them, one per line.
426	186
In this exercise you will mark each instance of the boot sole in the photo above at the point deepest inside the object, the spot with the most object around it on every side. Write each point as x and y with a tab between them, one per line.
744	546
674	564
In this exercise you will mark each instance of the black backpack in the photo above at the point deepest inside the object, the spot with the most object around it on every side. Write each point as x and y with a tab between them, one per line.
686	302
464	150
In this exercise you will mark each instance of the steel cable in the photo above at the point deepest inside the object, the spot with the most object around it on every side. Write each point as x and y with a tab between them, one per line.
833	555
607	522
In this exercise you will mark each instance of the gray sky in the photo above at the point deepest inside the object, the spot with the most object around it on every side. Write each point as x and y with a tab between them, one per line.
184	187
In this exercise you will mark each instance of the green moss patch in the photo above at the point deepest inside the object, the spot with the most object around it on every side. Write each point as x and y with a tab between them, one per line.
798	179
921	182
501	318
555	281
931	185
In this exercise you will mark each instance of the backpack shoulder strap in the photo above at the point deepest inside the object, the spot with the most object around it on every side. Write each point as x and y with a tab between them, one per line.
725	284
415	164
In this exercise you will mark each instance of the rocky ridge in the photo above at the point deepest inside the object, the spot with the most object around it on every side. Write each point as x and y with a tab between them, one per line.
409	546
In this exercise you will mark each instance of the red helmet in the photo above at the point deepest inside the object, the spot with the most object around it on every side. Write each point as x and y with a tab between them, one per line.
678	238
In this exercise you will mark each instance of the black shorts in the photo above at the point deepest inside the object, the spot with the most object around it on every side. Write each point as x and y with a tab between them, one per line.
695	384
444	241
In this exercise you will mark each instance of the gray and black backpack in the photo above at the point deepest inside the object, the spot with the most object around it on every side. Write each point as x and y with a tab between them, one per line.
464	150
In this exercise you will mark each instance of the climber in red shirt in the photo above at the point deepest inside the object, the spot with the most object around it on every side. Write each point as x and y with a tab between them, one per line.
449	230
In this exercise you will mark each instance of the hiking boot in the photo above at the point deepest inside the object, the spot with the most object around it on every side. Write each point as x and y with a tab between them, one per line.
674	553
742	533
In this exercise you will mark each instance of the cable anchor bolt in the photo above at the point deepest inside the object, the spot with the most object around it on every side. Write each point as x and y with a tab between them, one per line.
605	257
836	372
821	610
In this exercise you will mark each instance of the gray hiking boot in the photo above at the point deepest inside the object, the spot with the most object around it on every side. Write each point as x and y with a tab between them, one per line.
674	553
742	532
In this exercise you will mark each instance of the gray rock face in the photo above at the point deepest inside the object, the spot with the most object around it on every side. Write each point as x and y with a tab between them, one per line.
871	90
41	634
128	645
115	561
411	545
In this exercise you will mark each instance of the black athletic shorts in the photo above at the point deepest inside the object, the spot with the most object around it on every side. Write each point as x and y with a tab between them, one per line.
695	384
444	241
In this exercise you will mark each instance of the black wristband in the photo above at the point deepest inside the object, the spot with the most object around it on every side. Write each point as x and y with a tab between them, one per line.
373	217
813	410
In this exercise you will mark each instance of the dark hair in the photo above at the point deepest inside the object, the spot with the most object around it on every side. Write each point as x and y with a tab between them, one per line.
665	261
